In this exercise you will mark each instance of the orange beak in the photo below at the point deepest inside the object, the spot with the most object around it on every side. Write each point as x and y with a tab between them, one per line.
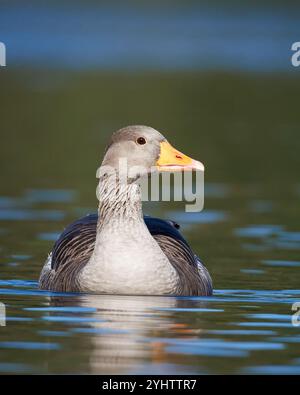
172	160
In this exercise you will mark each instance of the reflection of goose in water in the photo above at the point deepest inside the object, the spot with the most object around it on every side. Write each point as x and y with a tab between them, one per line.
127	331
119	251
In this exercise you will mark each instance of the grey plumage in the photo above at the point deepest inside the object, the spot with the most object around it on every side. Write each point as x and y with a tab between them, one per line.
73	249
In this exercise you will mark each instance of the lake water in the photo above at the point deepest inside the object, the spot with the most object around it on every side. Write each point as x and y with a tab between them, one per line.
243	125
245	327
169	35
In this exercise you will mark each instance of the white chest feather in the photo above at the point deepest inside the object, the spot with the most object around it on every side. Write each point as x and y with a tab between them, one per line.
128	261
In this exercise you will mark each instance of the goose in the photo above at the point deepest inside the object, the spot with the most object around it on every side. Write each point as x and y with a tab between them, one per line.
119	250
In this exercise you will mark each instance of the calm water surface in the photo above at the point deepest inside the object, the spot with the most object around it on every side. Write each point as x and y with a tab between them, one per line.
245	327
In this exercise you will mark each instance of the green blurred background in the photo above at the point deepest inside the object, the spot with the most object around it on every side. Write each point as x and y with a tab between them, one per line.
216	79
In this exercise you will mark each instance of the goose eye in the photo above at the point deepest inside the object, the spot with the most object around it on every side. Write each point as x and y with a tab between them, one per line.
141	141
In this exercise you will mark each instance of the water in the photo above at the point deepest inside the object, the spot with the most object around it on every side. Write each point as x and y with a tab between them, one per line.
56	118
245	327
184	35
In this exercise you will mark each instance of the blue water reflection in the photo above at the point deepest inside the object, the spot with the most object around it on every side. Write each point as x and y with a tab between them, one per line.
188	36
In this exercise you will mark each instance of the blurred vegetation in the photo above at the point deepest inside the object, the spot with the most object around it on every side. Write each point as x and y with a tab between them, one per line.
55	125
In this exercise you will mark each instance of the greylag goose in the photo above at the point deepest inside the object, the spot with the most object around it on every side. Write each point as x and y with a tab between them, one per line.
118	250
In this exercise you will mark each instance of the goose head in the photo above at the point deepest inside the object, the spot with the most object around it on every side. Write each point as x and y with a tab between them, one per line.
140	150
